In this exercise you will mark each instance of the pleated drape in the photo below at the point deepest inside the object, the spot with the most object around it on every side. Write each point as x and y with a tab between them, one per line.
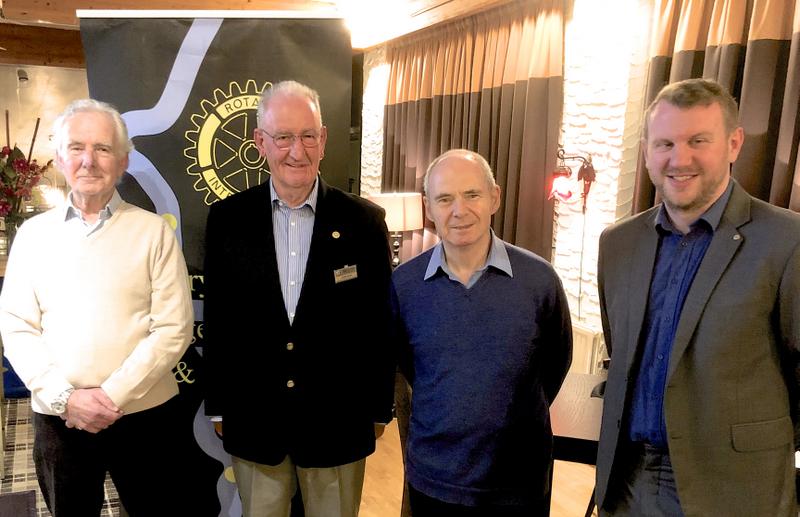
752	47
492	83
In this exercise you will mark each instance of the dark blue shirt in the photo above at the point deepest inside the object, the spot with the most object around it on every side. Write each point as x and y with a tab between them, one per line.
677	261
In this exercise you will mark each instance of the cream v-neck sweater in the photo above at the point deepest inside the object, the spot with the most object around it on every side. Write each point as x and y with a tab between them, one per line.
110	310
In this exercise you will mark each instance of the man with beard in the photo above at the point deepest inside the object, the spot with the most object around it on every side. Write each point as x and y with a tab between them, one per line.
699	300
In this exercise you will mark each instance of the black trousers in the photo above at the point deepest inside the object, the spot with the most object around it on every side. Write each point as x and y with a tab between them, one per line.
141	451
426	506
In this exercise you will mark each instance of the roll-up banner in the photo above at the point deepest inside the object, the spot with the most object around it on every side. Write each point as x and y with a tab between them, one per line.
187	85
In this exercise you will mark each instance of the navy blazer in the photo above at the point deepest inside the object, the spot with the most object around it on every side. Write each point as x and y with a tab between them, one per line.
731	397
336	352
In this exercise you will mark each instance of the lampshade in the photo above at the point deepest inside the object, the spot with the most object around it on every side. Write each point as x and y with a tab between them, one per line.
403	210
562	188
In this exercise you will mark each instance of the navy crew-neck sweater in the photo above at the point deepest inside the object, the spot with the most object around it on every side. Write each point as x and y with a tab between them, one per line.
485	363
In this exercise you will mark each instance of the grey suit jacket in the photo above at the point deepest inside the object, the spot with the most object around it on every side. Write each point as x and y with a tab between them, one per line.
731	396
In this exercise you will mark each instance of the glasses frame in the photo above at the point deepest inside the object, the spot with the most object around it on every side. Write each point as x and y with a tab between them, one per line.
295	137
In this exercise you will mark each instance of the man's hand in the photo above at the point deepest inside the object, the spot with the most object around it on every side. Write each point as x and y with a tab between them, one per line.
91	410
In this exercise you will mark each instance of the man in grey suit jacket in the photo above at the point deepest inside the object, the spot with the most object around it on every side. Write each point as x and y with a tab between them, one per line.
700	299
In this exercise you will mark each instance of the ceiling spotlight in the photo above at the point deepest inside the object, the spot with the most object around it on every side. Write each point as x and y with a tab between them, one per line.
22	75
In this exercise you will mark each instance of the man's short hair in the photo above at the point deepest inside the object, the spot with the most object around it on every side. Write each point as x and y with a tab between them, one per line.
288	88
461	153
122	144
697	92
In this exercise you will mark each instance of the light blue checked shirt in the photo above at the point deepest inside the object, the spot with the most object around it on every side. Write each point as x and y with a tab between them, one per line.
292	228
78	226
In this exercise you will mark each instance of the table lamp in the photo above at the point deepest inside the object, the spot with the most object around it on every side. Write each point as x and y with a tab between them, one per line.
403	213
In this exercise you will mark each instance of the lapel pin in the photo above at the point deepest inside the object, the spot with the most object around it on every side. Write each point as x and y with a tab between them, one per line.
737	237
336	235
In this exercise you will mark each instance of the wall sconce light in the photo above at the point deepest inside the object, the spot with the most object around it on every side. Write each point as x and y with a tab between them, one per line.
403	213
562	184
563	187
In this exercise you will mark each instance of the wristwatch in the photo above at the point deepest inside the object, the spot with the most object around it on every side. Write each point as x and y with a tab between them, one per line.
59	405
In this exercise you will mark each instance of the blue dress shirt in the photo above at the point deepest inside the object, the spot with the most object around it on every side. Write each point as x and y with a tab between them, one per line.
677	261
292	228
497	258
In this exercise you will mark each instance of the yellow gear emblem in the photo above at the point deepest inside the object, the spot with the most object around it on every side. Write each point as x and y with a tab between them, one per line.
223	154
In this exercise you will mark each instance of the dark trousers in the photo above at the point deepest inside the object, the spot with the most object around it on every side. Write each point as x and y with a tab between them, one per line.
141	451
645	484
425	506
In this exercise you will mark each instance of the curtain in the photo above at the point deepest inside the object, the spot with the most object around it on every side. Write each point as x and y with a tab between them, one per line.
752	47
492	83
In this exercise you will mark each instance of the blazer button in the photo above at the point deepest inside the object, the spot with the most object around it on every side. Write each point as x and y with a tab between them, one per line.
290	383
289	346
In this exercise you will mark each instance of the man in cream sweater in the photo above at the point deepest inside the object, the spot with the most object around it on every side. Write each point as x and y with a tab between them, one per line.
95	312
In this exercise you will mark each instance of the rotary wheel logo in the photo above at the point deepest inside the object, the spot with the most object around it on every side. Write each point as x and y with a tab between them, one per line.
223	154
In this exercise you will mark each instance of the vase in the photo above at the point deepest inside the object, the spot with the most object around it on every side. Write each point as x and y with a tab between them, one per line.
12	223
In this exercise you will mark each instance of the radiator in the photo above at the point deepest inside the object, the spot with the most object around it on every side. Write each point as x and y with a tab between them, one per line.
588	349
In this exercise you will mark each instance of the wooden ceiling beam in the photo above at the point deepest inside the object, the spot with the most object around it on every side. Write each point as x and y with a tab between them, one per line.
431	12
62	12
28	45
412	16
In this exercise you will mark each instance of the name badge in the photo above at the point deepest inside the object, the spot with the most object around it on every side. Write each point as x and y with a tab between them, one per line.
345	274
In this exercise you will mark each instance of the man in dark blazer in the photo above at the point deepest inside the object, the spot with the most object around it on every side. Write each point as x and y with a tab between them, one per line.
296	318
700	301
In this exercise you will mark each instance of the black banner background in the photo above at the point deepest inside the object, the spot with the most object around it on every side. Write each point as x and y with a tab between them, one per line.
129	63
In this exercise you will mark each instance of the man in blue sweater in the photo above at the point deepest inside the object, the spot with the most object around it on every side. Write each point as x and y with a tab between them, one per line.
485	340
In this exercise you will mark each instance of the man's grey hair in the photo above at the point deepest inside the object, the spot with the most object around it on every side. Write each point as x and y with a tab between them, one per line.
291	89
122	144
697	92
461	153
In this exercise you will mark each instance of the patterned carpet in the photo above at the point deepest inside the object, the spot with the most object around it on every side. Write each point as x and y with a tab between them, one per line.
18	471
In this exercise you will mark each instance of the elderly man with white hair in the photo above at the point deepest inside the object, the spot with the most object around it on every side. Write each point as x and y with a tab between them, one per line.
95	312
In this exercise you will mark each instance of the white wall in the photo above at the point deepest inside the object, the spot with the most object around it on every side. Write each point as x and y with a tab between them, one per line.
605	64
376	83
45	94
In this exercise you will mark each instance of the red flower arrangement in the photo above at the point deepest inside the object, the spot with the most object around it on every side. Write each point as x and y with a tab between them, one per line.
18	176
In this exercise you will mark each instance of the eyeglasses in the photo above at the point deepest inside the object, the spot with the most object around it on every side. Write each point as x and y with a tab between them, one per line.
285	141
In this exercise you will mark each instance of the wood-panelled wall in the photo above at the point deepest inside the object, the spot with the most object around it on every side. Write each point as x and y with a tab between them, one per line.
29	45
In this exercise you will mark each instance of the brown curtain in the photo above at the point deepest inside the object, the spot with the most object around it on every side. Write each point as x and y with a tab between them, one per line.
752	47
492	83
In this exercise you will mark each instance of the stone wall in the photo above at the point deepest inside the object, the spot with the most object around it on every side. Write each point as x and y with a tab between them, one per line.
604	78
376	81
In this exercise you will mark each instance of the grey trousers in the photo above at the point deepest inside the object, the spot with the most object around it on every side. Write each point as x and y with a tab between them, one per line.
645	486
267	491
